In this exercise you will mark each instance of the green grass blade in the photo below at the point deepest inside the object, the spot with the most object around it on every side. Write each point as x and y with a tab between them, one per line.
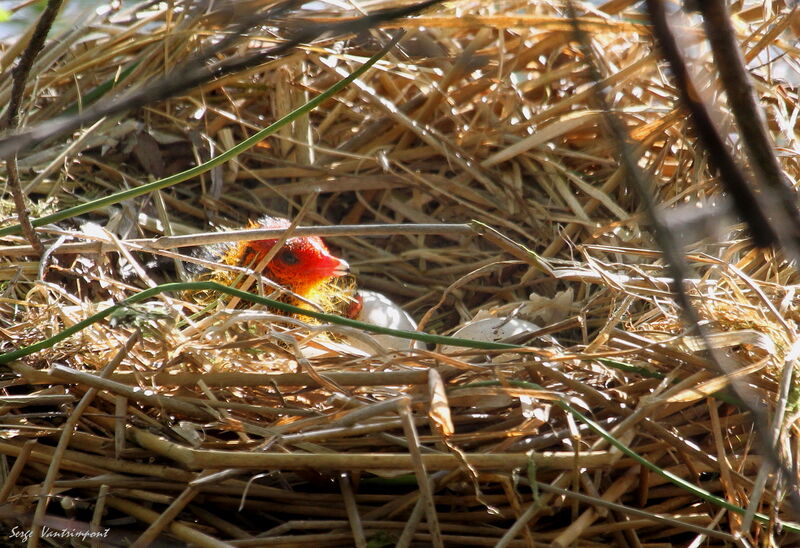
284	307
207	166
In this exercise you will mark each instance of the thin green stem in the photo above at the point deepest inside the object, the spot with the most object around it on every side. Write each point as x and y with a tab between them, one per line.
207	166
669	476
284	307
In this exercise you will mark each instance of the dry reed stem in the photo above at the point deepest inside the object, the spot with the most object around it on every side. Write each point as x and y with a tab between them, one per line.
487	117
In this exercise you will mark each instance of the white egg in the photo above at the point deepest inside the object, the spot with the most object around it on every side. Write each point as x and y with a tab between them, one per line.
491	330
378	309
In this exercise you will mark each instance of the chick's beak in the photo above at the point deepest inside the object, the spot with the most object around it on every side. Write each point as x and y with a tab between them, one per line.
334	266
341	268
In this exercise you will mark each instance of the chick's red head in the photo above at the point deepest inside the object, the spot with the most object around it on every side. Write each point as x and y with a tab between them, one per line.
302	264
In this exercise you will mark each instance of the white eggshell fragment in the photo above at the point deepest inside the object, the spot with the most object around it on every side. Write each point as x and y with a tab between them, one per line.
491	330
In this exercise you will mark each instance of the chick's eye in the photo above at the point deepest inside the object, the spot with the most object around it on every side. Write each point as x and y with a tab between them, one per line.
288	257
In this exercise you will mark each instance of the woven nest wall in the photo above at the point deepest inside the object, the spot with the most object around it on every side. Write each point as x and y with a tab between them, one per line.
166	425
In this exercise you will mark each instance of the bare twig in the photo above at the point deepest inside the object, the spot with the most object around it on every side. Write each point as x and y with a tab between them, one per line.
193	74
20	78
205	238
748	205
771	179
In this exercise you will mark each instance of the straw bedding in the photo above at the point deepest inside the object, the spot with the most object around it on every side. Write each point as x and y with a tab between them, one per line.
168	423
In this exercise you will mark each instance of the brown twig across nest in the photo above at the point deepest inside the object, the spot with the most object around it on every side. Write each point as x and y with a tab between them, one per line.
238	427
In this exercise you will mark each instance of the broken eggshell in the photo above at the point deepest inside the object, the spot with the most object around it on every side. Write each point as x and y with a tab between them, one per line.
491	330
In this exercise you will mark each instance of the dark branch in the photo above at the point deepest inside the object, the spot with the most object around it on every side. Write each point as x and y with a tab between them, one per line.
733	179
197	72
770	179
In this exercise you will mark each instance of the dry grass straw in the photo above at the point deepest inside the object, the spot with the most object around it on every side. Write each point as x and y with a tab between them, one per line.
214	429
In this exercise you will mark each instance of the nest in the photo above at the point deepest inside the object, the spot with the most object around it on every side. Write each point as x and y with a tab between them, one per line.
607	426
